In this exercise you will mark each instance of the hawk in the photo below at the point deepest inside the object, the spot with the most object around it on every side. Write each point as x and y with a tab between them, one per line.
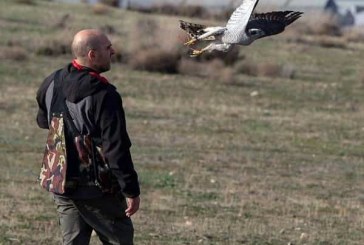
243	28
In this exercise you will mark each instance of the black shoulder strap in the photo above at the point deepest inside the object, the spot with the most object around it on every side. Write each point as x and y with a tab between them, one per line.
60	103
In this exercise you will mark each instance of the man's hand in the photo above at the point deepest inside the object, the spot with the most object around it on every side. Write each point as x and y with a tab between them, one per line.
133	206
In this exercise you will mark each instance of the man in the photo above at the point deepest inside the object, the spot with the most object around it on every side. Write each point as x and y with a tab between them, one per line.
96	110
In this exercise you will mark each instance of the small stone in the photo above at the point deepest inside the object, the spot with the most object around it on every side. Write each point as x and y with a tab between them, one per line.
304	236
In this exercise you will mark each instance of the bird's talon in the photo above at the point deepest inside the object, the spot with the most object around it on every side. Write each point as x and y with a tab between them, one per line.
190	42
196	52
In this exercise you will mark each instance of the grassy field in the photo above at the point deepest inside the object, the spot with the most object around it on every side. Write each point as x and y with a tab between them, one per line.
260	160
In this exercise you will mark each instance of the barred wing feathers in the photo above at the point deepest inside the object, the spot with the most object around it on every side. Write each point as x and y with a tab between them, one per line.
272	23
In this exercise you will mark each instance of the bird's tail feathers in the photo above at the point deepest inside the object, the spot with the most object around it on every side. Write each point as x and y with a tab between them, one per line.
194	30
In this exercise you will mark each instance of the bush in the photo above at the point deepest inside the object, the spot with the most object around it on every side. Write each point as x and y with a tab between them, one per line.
121	57
265	69
100	9
328	42
229	58
176	9
191	67
108	29
144	35
54	46
319	23
112	3
247	68
269	69
13	53
61	23
183	9
288	71
194	11
158	49
154	48
224	14
155	60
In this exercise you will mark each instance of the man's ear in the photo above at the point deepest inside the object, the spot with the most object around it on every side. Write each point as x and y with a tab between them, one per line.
91	54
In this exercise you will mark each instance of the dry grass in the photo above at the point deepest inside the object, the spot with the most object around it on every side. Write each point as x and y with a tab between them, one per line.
28	2
321	41
214	69
354	34
361	78
265	69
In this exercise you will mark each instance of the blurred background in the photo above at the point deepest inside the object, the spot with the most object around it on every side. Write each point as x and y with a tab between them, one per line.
349	12
260	145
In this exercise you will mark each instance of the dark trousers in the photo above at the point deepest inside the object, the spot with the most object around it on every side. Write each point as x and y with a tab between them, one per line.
105	215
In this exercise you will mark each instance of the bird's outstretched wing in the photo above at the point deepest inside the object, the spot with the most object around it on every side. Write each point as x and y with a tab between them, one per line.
238	21
272	23
194	30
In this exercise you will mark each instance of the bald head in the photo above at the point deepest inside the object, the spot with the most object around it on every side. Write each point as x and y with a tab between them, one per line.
84	41
92	48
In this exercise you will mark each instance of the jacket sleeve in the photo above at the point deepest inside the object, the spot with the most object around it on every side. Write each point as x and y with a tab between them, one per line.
42	115
116	143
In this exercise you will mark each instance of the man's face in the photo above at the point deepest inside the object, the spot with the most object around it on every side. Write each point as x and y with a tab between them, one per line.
103	55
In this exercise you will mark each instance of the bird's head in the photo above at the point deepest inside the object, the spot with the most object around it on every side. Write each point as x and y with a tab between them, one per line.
255	33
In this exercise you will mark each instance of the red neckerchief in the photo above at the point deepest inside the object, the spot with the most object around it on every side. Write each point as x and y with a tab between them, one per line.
92	73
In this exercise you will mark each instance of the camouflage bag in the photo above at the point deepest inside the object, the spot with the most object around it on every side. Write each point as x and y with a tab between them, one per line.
91	155
104	178
54	165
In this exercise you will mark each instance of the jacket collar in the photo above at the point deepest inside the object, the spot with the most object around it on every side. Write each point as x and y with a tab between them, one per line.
91	71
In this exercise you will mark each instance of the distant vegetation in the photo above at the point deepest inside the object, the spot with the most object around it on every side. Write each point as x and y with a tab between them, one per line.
151	54
312	29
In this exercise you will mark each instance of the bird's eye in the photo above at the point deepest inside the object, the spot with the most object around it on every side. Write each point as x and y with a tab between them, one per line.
253	32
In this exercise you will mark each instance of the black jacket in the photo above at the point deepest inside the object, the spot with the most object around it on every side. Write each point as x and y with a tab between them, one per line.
96	108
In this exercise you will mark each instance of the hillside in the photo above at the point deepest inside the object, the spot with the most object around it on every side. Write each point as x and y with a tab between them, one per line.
249	158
